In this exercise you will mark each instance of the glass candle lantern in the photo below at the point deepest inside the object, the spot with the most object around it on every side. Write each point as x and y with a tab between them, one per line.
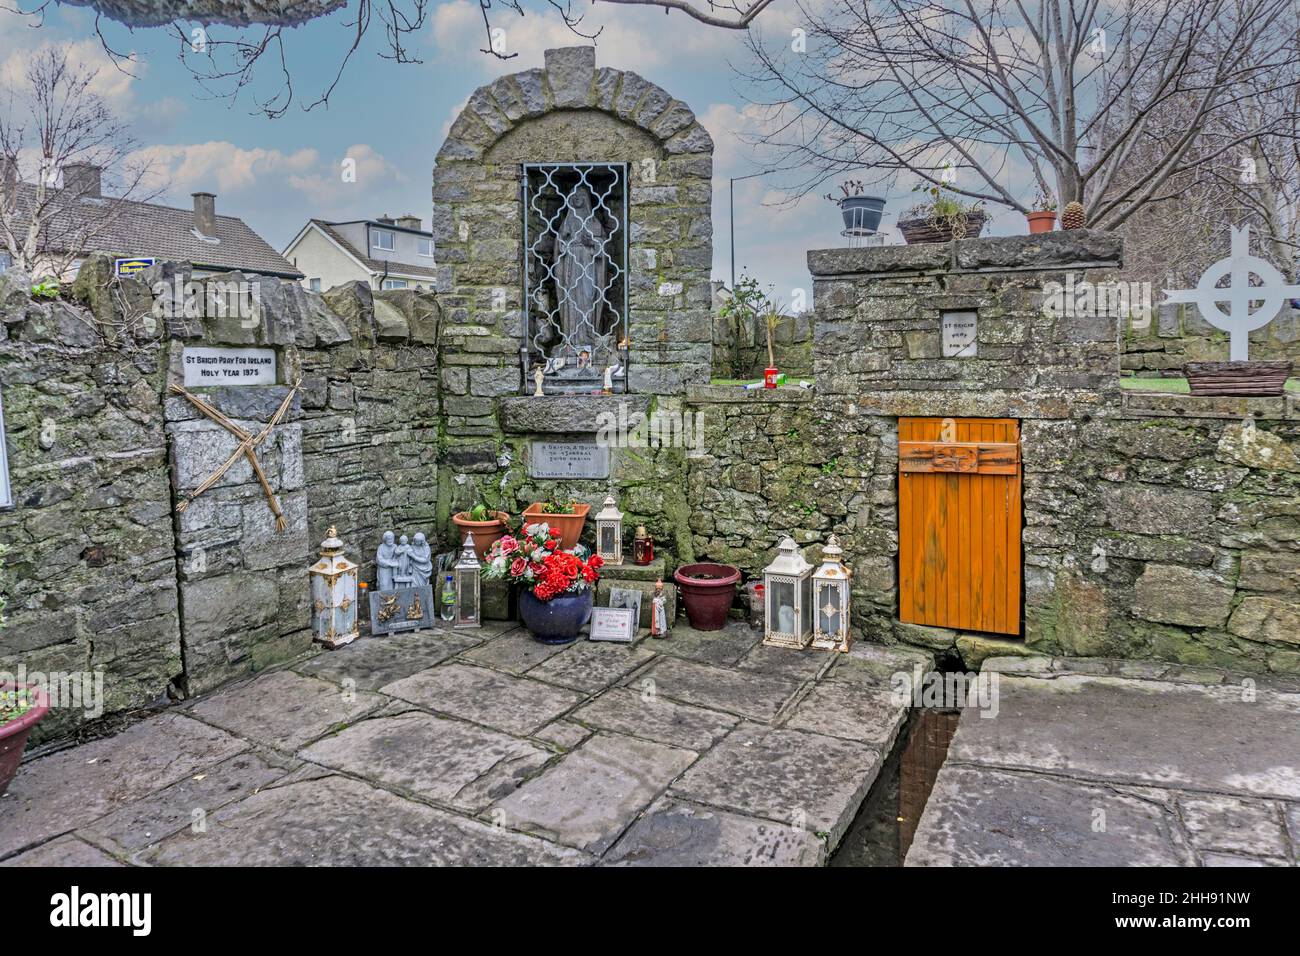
787	597
333	594
830	590
468	577
609	532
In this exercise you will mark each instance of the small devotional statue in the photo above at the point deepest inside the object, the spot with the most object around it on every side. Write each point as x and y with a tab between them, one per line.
387	563
420	561
659	612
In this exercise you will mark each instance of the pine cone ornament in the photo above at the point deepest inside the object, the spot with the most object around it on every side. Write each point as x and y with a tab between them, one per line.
1072	216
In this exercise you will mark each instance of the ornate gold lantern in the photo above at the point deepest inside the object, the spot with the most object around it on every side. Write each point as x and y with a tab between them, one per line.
830	591
469	605
609	532
333	594
787	595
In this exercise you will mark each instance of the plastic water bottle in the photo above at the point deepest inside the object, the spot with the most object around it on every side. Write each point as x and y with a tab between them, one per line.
448	600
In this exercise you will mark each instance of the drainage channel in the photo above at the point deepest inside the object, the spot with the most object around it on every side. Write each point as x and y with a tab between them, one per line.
882	831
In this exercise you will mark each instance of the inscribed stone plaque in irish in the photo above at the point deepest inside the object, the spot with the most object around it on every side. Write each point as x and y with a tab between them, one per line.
554	459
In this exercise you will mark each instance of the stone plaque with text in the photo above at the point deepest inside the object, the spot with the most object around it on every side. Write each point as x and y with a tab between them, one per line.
212	365
561	459
959	334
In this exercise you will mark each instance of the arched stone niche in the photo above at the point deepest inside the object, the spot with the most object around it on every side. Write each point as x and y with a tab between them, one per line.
570	112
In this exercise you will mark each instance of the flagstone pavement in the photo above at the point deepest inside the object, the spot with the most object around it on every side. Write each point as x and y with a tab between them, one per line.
485	747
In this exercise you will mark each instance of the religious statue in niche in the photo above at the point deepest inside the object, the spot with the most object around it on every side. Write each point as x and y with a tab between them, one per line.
576	282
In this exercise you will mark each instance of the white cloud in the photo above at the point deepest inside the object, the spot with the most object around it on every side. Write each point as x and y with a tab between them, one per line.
114	83
325	185
223	167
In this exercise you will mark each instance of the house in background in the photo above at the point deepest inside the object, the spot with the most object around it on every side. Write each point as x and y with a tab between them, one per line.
129	229
385	253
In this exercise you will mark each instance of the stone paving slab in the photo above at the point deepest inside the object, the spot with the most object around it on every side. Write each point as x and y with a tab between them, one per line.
65	851
336	821
1230	824
516	705
149	820
789	776
751	694
563	733
429	757
724	647
866	714
657	718
590	666
372	662
514	652
68	789
785	662
284	710
672	833
589	797
1152	733
873	665
983	817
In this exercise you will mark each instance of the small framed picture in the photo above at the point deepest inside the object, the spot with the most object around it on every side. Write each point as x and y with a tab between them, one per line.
585	354
612	624
628	598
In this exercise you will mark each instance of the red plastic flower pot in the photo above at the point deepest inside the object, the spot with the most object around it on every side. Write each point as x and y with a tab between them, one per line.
13	735
707	591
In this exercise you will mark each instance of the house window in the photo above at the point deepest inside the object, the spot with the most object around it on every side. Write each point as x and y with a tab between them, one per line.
426	248
315	285
394	284
382	239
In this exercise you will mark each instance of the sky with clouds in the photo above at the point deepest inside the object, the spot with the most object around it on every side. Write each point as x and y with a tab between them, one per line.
391	118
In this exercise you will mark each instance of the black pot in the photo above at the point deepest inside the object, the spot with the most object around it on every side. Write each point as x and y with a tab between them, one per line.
862	213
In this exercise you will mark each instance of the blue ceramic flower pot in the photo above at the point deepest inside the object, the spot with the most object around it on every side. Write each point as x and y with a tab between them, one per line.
558	620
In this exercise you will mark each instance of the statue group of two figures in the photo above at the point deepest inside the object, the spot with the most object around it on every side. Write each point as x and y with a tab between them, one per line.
573	267
402	563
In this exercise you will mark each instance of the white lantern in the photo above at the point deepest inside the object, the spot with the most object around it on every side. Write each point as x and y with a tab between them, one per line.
609	533
787	596
333	594
469	605
830	590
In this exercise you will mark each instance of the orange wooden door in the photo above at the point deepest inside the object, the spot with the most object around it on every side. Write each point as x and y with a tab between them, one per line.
959	523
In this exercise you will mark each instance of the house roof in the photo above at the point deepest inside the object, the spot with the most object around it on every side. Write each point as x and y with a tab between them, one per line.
163	232
380	266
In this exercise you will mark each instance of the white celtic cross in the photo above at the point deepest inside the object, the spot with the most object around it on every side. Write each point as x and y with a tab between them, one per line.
1239	321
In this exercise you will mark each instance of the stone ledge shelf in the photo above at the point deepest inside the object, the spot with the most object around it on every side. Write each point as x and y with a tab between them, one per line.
1138	404
1066	249
735	393
566	414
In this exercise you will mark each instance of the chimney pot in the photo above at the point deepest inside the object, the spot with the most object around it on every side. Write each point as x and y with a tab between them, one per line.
83	180
409	222
205	214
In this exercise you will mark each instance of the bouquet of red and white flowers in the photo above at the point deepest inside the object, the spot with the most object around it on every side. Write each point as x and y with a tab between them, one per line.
536	561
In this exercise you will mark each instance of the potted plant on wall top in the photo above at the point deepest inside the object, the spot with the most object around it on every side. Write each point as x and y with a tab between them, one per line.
861	213
943	217
1043	218
556	583
566	517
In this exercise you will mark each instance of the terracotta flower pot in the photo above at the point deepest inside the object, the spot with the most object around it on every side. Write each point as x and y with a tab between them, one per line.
1042	221
558	620
486	533
707	590
569	526
13	735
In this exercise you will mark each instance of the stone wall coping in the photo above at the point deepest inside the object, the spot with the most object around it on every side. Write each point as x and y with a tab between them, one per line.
734	394
1139	404
990	403
1066	249
566	414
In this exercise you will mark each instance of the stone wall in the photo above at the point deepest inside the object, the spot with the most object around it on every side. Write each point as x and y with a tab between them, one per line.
1177	334
90	575
103	571
740	347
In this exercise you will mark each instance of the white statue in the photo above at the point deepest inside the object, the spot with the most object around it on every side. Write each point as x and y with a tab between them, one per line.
403	575
539	374
420	558
387	563
659	612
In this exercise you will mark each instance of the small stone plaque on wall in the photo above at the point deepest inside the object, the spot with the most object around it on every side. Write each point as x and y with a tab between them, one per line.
959	334
560	459
211	365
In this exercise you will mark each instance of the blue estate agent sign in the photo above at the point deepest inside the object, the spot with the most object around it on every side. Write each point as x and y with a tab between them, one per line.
129	267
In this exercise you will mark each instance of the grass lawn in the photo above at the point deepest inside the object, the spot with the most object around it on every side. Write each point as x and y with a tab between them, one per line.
1178	385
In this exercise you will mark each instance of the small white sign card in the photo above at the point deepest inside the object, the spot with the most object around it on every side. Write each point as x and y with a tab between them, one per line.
629	598
213	365
613	624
